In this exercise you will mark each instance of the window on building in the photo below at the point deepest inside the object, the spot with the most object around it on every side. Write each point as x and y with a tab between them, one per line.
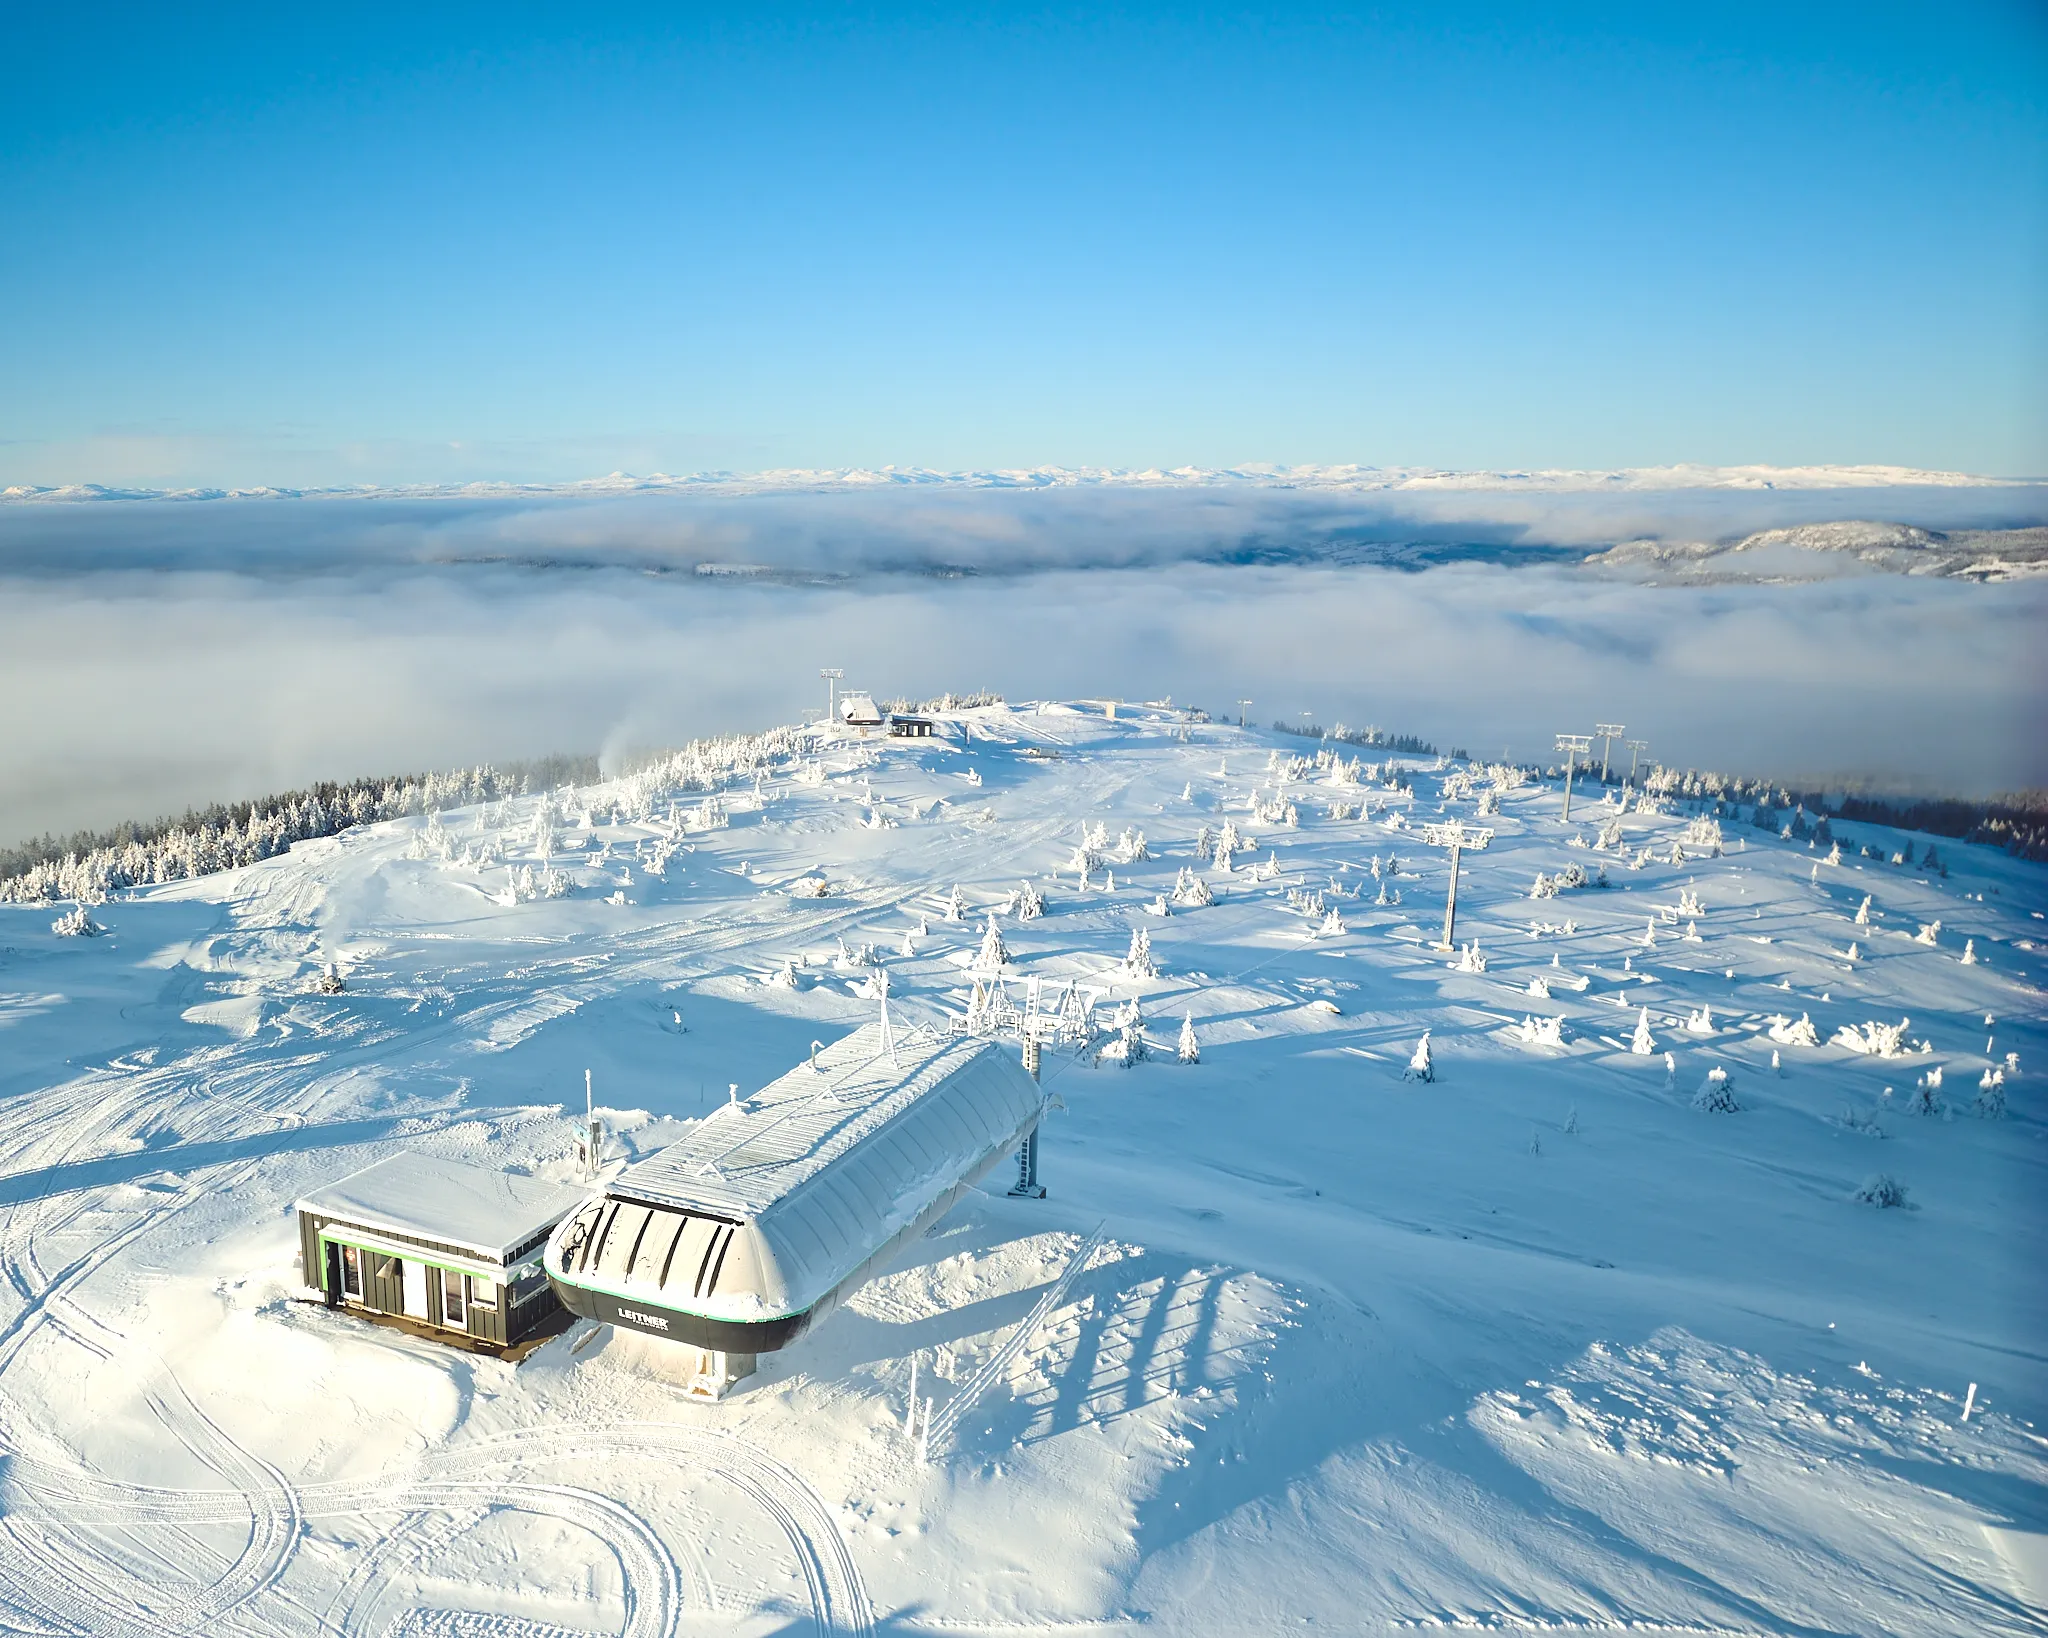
351	1271
483	1293
453	1308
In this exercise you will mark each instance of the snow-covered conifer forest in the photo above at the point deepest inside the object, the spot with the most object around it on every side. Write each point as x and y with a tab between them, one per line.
1644	1263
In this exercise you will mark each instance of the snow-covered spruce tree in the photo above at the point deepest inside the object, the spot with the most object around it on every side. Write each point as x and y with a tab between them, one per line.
329	982
1716	1095
76	923
908	947
993	955
1969	955
1332	924
1863	912
1643	1043
1880	1189
1990	1104
1471	959
1129	1047
1030	903
1138	962
1188	1050
1801	1034
1190	892
1874	1039
1421	1066
956	904
1925	1098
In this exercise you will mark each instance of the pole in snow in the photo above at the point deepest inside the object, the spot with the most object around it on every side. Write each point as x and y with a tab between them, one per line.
1456	835
1241	704
1571	745
831	674
1969	1401
1636	747
1609	732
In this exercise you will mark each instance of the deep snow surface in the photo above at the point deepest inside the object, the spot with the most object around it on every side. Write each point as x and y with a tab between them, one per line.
1536	1345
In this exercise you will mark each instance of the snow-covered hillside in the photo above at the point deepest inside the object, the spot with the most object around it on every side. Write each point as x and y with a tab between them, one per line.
1542	1341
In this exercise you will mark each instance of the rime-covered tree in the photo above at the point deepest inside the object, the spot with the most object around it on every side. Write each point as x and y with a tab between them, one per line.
1716	1095
1188	1050
1642	1043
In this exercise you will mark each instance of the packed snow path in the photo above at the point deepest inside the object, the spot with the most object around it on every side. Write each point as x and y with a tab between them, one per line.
1541	1341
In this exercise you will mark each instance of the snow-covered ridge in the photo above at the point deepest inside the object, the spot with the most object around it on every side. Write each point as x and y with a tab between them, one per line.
1347	478
1815	551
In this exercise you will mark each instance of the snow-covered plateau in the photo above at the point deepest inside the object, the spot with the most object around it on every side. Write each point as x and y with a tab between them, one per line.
1692	1286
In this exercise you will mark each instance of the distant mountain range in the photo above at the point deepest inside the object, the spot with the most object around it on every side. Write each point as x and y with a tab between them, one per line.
1343	478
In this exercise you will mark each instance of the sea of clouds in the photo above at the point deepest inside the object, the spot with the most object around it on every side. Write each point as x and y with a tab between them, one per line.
155	654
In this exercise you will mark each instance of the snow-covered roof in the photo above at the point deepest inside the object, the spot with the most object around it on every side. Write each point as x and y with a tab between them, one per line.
471	1207
747	1157
824	1168
858	707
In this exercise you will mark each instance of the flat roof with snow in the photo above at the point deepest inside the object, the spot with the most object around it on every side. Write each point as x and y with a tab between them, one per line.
493	1214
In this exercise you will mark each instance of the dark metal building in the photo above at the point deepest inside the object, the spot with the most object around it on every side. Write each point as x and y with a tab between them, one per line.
447	1245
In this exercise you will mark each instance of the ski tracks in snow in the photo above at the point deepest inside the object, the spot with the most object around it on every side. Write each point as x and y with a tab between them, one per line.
455	1490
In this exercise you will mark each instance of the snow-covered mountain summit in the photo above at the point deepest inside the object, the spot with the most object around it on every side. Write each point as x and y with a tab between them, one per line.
1600	1324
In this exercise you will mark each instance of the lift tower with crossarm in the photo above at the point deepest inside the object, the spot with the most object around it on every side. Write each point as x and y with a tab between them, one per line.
1456	835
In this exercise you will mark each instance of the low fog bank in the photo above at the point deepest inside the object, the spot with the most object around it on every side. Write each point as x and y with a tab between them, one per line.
980	531
132	693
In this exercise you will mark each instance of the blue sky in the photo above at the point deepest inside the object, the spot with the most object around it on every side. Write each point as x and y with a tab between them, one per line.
454	246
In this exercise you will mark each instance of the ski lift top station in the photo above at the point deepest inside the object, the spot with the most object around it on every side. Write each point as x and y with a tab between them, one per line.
750	1230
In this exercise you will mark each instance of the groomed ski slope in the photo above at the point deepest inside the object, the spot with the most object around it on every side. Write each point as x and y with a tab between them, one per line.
1534	1345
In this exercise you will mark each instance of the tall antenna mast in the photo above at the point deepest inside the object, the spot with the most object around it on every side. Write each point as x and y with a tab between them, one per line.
1456	835
1609	732
1571	745
888	1033
593	1135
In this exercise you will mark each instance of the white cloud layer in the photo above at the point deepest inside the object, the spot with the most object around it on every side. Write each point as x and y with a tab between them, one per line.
132	691
158	654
